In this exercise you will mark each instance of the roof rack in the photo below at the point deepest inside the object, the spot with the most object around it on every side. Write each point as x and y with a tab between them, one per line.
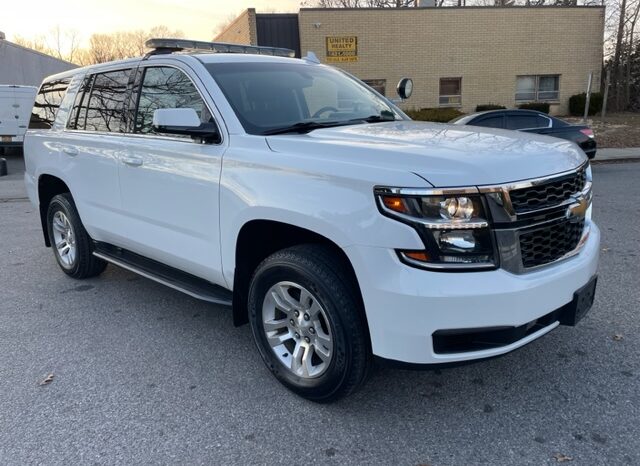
162	46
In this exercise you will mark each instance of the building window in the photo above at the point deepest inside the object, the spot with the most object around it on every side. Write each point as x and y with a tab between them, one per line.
537	88
378	85
450	92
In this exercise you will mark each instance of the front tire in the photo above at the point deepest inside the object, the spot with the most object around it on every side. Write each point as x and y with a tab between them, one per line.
308	322
72	246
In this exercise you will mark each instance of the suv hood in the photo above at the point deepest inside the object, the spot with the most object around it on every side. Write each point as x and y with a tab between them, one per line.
444	155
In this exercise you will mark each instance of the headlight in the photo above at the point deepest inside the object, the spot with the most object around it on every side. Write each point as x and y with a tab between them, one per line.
452	223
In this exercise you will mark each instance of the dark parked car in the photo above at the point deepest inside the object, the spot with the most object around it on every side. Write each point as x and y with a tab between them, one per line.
531	121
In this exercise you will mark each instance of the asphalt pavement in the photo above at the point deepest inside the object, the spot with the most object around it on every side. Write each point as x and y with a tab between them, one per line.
142	374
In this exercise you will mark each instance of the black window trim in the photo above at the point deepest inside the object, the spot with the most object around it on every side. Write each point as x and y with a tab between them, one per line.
135	98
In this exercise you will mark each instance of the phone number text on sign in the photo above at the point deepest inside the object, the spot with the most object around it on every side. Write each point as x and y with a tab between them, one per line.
342	48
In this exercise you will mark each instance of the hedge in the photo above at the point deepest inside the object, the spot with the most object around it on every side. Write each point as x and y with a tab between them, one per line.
539	106
485	107
440	115
578	101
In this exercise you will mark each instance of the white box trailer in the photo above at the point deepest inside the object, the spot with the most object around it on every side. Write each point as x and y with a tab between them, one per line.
16	103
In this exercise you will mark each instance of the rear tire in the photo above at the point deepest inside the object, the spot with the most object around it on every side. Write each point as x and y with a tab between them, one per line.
308	322
72	246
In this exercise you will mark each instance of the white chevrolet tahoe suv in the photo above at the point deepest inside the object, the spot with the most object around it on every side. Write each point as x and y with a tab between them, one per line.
338	228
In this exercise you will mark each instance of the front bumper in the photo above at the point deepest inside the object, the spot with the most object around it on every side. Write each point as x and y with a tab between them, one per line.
405	306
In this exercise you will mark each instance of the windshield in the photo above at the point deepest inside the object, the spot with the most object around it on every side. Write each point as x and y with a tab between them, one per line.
274	97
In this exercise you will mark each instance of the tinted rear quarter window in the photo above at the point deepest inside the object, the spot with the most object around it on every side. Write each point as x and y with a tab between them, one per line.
47	103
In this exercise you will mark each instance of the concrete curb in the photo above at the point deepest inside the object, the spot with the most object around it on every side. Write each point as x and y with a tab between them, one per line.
600	161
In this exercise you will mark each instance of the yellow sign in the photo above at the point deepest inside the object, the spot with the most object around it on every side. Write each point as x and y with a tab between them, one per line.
342	48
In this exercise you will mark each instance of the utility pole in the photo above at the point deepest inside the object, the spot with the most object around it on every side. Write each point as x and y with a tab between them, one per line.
606	93
586	104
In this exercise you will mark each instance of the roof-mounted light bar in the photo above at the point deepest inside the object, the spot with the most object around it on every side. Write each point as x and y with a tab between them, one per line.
176	45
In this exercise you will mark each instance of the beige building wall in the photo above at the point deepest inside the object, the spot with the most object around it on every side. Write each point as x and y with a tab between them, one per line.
241	31
486	47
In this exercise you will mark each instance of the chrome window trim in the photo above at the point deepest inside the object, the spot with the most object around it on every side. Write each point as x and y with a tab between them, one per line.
135	135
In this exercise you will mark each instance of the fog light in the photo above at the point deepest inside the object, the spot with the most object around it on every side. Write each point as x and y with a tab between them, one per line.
457	240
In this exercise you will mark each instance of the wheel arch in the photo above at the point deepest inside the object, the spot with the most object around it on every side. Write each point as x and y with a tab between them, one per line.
48	187
275	236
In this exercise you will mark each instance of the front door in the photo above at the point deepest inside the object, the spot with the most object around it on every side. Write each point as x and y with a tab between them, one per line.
169	184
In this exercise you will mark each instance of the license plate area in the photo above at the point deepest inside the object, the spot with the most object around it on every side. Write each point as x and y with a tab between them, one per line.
582	302
6	138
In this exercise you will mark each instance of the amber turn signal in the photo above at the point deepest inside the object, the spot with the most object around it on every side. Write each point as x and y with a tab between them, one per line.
421	256
395	203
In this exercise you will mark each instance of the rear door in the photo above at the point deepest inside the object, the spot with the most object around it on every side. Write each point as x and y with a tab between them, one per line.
90	151
8	116
170	184
24	101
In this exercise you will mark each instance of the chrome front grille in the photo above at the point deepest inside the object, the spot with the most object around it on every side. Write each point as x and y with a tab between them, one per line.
548	243
538	222
547	195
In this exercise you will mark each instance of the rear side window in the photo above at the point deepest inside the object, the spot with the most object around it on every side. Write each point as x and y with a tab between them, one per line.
165	87
99	105
526	121
496	121
47	103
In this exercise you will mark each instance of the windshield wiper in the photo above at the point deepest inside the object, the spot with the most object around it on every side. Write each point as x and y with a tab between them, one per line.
385	115
304	127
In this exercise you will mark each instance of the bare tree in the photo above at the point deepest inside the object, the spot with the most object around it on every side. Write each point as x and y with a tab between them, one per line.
360	3
59	43
125	44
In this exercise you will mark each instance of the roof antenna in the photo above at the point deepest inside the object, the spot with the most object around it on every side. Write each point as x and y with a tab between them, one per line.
311	58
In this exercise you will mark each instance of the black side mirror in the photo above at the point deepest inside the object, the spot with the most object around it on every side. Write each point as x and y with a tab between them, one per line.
206	132
184	122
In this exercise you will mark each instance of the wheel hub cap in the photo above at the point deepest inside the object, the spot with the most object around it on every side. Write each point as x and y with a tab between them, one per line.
64	239
297	329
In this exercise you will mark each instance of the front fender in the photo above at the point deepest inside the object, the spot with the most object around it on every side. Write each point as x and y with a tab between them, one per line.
330	198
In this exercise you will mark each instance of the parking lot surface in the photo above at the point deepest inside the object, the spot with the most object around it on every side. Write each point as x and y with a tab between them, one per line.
143	374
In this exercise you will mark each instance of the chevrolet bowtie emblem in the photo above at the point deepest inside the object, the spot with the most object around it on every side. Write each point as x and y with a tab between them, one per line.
577	211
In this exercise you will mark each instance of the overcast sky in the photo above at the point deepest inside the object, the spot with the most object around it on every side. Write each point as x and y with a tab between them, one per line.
196	18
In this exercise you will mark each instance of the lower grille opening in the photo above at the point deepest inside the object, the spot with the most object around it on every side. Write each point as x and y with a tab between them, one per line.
466	340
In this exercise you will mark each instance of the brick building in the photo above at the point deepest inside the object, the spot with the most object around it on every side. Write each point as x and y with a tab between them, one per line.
457	57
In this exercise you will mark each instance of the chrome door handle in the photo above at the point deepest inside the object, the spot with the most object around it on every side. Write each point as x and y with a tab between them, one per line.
72	151
132	161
